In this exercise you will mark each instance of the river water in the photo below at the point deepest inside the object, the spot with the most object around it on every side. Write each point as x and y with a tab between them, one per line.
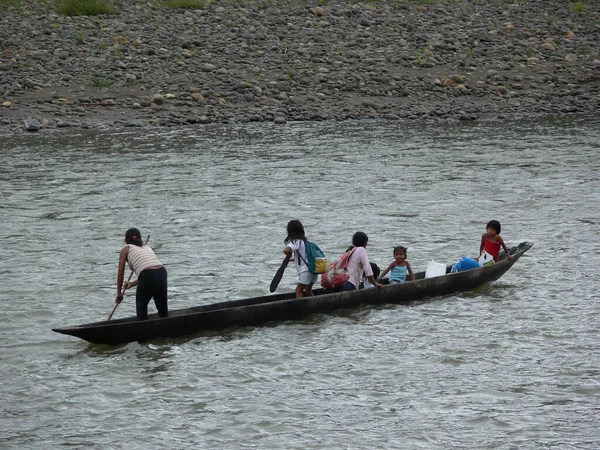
514	364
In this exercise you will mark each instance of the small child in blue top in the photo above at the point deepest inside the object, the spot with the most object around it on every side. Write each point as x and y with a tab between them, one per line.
399	267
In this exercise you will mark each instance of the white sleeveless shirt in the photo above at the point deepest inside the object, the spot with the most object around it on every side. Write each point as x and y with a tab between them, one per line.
141	258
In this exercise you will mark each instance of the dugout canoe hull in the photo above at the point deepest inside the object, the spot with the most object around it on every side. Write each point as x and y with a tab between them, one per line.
279	307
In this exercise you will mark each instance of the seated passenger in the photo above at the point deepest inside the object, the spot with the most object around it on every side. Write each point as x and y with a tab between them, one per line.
359	265
399	267
376	271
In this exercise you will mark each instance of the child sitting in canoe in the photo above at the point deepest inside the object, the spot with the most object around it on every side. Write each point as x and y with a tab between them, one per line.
491	240
399	268
376	271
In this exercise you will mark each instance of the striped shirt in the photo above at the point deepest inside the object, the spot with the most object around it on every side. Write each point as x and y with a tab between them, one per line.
141	258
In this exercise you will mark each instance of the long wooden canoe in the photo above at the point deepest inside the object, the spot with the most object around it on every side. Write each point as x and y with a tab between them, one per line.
278	307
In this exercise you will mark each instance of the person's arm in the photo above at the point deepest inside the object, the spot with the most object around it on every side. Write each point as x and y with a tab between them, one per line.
291	248
385	272
505	248
375	283
411	275
121	273
130	284
482	243
368	272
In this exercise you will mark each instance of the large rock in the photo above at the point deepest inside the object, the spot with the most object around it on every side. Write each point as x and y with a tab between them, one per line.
158	99
31	124
317	11
571	57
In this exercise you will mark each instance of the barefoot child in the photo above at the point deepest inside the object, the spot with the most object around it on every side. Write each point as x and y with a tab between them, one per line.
491	240
399	267
296	246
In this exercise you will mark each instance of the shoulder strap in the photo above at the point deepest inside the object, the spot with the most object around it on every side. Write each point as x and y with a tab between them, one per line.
358	267
351	253
300	254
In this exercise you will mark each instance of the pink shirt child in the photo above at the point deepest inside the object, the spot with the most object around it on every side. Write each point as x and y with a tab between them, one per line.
358	257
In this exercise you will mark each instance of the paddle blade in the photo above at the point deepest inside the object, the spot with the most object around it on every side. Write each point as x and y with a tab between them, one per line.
279	275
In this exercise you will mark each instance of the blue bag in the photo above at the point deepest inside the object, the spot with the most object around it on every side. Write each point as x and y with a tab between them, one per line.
315	258
465	263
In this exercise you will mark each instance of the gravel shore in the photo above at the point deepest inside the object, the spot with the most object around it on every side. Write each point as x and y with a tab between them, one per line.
282	61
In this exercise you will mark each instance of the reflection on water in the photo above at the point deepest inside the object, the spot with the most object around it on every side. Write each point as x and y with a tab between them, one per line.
510	364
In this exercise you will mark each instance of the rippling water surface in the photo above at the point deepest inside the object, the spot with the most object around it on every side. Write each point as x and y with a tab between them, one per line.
511	365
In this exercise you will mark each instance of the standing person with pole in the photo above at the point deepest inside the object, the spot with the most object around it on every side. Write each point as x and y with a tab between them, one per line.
152	276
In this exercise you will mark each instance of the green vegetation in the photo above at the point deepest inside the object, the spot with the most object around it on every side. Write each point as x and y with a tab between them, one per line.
96	7
418	2
529	51
185	4
264	4
420	57
577	7
80	37
84	7
6	3
99	82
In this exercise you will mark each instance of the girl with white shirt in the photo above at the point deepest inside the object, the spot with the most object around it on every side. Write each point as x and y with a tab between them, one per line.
296	246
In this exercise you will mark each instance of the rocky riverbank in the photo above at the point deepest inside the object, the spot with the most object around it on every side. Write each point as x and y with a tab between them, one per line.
294	60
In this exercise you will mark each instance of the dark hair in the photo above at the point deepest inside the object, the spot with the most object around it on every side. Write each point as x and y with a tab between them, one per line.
376	270
133	236
360	239
295	230
495	225
401	249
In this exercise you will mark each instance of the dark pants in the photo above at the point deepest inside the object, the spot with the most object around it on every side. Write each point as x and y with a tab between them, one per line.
348	287
152	283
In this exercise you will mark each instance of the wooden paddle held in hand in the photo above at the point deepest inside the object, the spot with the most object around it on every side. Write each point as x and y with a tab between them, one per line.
279	275
125	288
